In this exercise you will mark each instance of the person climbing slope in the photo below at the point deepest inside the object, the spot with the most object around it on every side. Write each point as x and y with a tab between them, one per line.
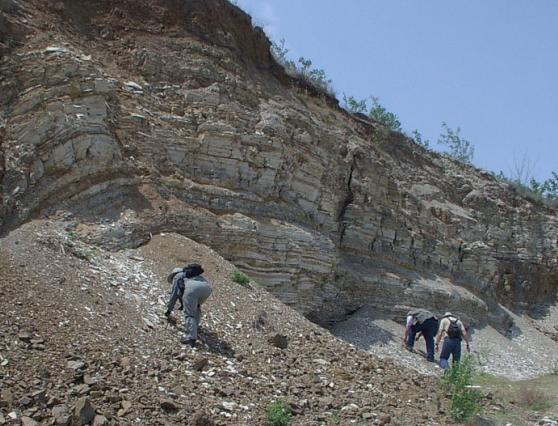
421	320
193	289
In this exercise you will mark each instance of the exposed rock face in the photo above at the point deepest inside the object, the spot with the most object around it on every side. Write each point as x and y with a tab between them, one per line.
141	117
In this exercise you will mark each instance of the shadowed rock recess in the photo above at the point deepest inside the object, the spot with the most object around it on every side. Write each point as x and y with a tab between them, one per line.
141	117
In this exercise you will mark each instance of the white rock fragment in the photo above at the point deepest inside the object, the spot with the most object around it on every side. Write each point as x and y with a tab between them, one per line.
56	49
229	406
350	407
131	86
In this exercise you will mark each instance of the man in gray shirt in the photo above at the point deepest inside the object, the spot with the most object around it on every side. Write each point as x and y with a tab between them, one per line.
190	286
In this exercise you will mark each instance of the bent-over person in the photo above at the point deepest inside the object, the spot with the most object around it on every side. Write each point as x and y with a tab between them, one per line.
193	289
421	320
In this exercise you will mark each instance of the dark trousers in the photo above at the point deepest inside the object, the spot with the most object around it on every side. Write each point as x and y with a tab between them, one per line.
450	347
429	328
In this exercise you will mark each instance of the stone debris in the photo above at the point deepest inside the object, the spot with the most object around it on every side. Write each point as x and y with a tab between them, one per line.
24	336
88	380
201	418
384	419
168	405
84	411
28	421
56	49
61	415
126	407
52	401
6	398
24	401
279	341
200	364
75	365
229	406
133	87
100	421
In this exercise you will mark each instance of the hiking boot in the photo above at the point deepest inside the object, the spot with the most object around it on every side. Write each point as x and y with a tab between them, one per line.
189	342
430	359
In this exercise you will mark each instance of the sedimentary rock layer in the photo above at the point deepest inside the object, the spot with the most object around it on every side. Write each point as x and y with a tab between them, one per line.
144	117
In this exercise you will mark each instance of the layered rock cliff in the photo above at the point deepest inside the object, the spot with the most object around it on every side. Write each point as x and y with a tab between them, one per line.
136	117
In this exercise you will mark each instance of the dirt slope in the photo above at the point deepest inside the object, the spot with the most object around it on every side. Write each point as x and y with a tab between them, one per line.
64	303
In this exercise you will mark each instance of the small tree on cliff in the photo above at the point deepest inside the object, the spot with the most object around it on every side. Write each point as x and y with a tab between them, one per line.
376	112
459	148
381	115
354	106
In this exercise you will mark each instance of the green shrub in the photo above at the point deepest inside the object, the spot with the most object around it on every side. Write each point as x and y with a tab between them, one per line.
383	116
417	138
278	413
548	188
315	76
302	69
465	401
459	148
351	104
240	278
460	375
464	404
521	178
531	191
542	192
376	112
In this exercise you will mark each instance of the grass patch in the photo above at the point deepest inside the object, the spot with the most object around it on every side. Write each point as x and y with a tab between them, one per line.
533	398
520	398
240	278
278	413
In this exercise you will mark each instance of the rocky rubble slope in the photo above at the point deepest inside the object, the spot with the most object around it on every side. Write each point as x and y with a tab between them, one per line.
83	335
529	351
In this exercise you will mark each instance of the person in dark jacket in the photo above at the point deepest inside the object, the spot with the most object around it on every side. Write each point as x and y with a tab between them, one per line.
192	288
421	320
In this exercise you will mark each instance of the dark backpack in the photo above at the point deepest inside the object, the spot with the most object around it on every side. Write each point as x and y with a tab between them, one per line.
454	330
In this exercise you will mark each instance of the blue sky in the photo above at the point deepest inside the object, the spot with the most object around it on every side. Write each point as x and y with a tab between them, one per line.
488	67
